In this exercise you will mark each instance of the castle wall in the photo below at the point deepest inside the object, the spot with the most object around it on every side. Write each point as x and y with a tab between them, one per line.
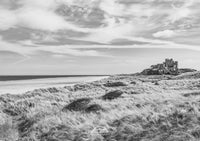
168	67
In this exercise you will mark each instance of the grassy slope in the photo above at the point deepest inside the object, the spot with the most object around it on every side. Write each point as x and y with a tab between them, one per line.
153	108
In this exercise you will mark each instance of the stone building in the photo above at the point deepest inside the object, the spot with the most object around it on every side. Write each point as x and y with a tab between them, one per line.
168	67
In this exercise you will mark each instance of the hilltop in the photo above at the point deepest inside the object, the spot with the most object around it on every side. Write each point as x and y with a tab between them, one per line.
168	67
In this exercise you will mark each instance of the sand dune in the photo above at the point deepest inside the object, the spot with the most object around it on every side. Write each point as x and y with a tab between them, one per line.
145	108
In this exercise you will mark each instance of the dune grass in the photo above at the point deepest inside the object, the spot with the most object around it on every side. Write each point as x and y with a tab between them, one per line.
167	111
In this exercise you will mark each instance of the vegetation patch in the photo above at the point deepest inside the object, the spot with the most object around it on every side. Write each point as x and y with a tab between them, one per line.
78	105
191	94
25	126
133	82
173	127
94	108
82	87
115	84
12	110
58	133
112	95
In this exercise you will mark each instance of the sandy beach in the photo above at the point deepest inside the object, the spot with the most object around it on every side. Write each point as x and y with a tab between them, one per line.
22	86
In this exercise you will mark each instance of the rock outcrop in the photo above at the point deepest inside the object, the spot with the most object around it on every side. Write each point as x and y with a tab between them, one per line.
168	67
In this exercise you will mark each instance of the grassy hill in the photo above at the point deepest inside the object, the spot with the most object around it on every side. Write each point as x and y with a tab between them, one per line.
189	75
119	108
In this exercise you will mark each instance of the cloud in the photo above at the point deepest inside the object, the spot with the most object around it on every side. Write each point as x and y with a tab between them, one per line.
41	4
112	31
35	14
7	19
112	7
56	50
74	52
41	20
119	19
164	34
178	13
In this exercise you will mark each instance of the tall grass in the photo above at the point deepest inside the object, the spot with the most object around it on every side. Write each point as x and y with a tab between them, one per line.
153	113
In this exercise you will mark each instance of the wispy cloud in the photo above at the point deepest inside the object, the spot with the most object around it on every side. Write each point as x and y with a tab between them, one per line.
164	34
55	50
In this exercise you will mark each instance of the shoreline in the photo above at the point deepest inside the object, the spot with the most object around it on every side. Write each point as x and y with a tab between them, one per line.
33	77
23	86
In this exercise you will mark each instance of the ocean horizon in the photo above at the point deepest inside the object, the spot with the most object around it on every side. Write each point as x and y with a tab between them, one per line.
29	77
22	84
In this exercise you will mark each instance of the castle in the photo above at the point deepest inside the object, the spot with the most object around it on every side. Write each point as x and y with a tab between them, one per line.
168	67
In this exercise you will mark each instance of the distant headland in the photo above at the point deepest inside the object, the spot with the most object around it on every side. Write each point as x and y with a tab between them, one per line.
168	67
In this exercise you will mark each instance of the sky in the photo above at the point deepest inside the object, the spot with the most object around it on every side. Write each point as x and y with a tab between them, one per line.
44	37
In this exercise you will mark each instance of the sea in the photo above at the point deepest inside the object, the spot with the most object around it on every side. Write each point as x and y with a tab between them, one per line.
22	84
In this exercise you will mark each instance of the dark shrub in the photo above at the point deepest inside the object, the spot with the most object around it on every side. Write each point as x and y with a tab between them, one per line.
191	94
133	82
115	84
156	83
11	112
94	108
78	105
134	92
53	90
58	133
18	108
138	105
196	133
112	95
81	87
24	126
